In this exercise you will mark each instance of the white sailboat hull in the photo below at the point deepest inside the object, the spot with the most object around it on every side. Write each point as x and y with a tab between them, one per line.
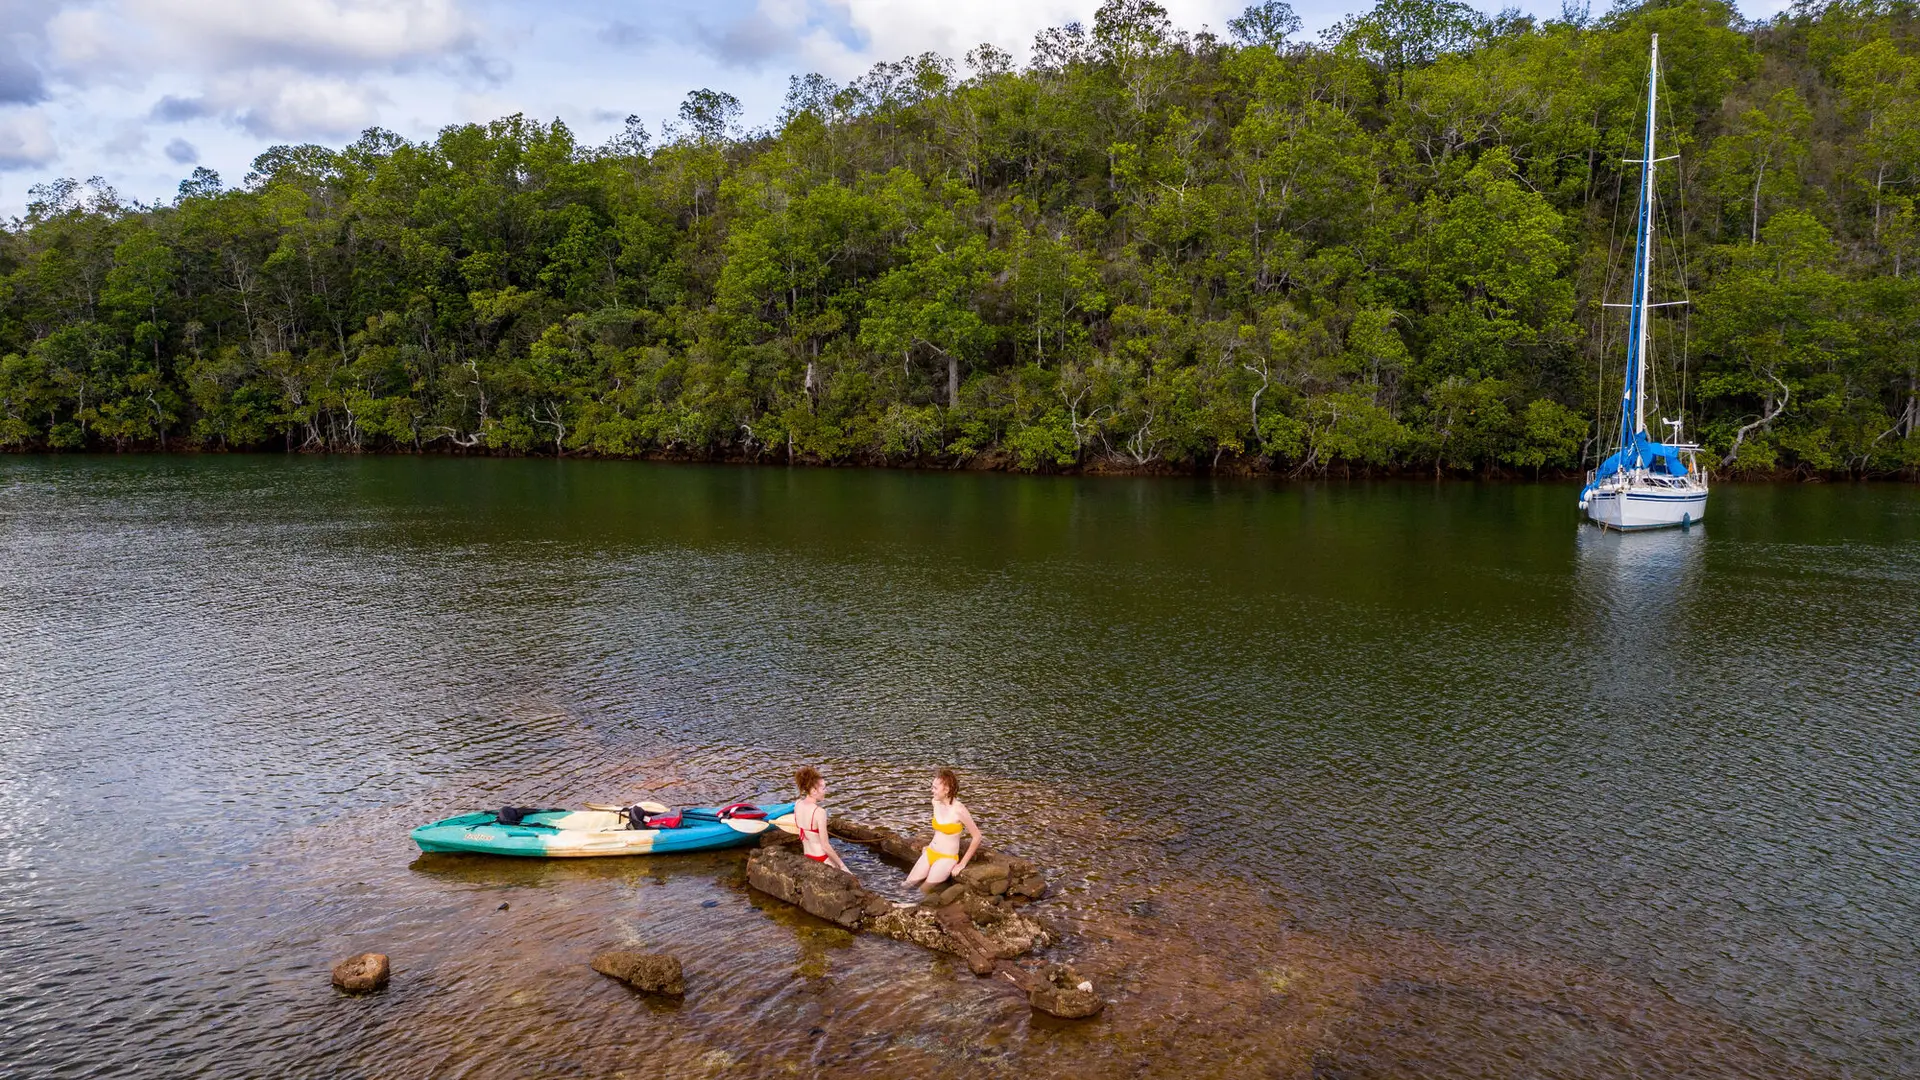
1628	509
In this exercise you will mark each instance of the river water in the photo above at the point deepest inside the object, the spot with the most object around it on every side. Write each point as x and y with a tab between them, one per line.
1348	780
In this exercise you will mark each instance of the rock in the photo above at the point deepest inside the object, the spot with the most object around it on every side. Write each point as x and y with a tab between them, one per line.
816	888
968	941
984	873
1021	934
1060	991
913	924
1027	889
967	918
1018	976
1000	875
855	831
904	848
362	974
654	973
985	910
952	929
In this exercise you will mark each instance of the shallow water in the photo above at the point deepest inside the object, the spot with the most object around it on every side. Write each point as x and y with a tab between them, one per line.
1348	780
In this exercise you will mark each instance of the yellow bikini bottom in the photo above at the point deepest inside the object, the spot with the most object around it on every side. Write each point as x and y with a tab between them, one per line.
935	856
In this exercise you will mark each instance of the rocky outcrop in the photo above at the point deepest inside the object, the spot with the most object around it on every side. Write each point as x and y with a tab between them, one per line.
362	974
979	927
653	973
970	943
977	917
780	871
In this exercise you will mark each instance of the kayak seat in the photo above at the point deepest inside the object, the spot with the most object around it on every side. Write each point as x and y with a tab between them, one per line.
638	818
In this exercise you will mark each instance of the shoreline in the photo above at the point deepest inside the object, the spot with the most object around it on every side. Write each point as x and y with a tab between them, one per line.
994	462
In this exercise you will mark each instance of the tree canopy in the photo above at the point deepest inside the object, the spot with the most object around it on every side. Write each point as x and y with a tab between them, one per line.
1387	249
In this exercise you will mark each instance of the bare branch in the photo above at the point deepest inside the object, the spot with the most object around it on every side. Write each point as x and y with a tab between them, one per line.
1741	435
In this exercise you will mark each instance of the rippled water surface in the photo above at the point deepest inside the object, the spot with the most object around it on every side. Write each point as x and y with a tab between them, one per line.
1352	780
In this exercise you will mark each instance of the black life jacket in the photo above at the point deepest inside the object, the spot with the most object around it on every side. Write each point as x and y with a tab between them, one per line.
516	815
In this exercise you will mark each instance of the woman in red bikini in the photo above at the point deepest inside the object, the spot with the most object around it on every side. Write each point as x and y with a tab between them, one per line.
811	819
942	859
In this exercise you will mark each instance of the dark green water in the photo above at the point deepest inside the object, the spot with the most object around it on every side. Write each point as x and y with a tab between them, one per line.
1686	762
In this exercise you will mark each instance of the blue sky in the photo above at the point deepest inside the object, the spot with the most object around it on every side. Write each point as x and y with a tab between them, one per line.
141	91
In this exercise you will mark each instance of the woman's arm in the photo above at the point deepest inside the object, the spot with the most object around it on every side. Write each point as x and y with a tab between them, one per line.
826	840
973	831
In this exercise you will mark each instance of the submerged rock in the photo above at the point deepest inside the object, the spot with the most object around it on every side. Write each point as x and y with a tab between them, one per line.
654	973
1060	991
362	974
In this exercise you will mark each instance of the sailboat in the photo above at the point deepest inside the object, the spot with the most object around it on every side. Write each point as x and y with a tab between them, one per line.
1644	483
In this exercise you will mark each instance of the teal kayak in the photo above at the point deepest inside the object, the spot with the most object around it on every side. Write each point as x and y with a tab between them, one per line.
574	834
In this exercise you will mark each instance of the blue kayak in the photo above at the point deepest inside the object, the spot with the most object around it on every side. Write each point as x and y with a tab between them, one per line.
574	834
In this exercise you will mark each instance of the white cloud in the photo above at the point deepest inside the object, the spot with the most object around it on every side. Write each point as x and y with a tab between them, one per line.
224	35
479	108
274	69
895	30
287	104
844	37
26	139
82	39
129	141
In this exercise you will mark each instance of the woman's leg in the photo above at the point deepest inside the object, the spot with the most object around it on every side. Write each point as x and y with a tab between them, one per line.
919	871
937	873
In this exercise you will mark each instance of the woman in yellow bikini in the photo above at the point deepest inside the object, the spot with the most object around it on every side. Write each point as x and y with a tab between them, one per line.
942	859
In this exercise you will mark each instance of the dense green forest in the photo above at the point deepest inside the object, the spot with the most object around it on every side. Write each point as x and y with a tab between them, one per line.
1387	249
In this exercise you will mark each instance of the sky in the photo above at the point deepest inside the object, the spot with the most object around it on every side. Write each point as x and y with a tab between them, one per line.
140	92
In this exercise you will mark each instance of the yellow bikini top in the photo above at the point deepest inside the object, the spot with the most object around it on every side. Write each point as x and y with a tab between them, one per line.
950	830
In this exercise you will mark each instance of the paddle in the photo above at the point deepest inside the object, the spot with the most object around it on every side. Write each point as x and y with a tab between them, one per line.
785	823
750	826
649	807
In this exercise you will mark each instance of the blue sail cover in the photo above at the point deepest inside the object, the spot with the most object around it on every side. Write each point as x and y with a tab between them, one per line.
1642	452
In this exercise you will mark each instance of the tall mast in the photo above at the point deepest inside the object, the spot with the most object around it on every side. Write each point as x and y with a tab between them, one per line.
1634	411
